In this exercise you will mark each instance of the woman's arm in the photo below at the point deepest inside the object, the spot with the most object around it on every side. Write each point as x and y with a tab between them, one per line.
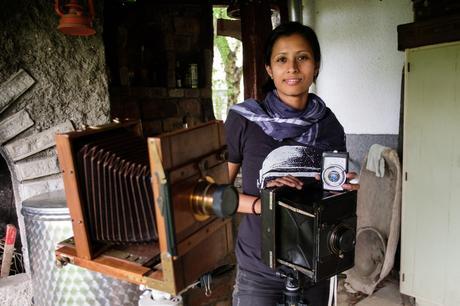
233	171
245	204
246	201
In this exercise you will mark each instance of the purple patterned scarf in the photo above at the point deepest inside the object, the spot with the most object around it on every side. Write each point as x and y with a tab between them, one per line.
281	121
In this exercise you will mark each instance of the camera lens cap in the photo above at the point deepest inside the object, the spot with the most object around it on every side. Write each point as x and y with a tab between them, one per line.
225	201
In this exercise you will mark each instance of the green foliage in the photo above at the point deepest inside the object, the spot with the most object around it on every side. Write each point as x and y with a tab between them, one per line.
233	72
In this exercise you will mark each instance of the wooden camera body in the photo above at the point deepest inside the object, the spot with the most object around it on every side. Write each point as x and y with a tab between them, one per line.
184	166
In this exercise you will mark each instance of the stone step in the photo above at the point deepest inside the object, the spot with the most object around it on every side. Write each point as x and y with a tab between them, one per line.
14	87
42	185
30	145
14	125
37	168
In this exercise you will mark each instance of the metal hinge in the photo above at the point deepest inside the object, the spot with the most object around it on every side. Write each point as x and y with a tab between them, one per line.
403	277
408	67
405	176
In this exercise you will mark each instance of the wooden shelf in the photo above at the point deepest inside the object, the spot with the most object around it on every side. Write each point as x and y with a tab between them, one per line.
429	32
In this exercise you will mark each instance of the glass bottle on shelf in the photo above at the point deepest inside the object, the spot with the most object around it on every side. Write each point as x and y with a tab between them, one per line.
179	75
191	76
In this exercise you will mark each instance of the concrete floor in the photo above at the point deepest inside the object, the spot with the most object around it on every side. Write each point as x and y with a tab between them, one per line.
387	294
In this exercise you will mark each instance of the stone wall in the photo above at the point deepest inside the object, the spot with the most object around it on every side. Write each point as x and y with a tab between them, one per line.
70	76
50	82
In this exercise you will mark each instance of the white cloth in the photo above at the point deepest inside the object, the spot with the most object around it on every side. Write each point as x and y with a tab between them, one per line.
375	160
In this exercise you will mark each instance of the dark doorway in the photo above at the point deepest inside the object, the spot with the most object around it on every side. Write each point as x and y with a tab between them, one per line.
8	216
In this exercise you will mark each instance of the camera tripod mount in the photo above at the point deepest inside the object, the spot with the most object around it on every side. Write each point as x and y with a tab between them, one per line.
291	293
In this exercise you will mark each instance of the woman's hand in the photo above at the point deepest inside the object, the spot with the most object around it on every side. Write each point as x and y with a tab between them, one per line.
288	180
352	183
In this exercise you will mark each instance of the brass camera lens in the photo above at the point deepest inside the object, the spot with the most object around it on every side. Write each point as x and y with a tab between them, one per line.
209	198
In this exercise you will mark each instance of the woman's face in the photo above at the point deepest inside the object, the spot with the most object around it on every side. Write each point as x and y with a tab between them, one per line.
292	68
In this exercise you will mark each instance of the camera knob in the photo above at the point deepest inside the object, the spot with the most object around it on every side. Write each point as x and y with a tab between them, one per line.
342	239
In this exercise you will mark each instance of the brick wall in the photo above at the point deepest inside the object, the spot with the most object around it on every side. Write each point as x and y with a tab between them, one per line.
162	109
150	47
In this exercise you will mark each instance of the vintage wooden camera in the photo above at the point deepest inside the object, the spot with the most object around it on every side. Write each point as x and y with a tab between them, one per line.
310	230
148	211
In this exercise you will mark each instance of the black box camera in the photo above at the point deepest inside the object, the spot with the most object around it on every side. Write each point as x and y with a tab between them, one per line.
309	230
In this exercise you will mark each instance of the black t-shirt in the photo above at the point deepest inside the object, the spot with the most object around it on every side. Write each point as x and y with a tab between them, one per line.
248	145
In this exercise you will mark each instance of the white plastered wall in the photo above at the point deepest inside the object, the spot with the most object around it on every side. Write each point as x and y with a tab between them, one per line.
360	77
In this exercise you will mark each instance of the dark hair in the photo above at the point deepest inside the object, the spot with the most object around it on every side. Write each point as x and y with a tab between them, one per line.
288	29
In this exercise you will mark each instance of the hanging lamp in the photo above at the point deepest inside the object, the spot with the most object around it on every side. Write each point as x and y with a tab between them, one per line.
74	20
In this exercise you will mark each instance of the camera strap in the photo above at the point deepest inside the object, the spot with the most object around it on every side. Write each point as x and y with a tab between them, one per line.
333	291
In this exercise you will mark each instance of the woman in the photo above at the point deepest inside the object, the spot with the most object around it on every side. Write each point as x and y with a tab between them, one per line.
288	116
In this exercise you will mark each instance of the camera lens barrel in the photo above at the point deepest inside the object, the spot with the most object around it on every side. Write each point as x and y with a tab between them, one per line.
342	239
209	198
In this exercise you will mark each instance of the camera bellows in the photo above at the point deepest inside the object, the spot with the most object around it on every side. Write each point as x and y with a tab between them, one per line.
114	178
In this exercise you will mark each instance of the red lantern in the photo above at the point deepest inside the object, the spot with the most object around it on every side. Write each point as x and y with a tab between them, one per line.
74	20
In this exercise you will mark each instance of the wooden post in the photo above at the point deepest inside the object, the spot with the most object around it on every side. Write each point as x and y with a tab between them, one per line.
255	27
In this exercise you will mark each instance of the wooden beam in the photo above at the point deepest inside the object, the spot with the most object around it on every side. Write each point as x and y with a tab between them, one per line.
73	197
226	27
429	32
283	9
256	25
